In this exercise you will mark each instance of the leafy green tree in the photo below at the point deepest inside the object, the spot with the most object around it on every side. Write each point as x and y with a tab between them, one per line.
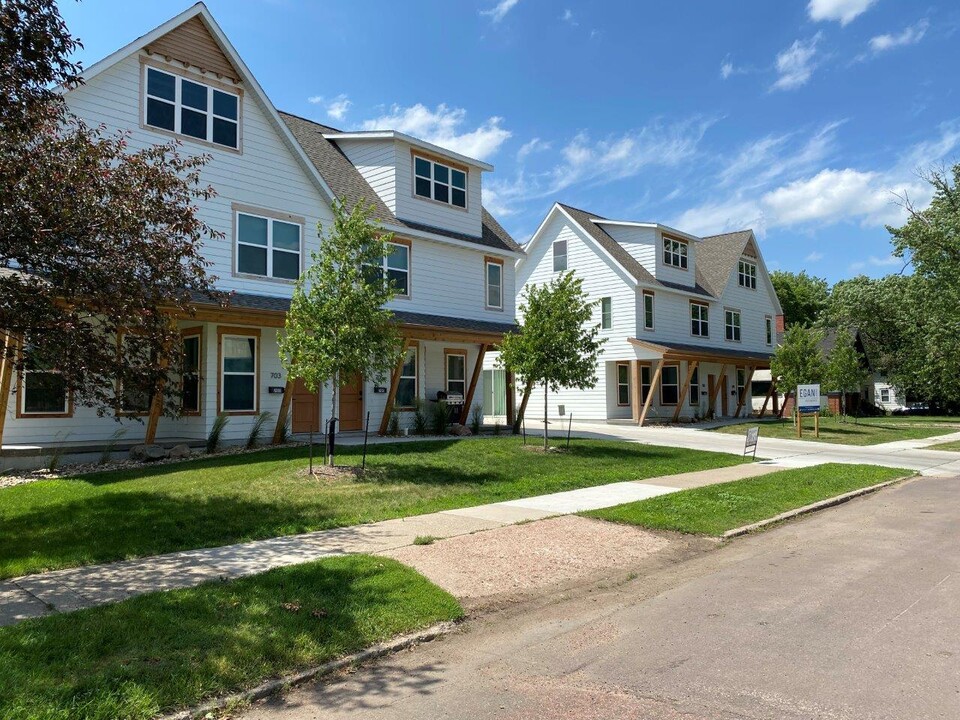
845	370
96	239
803	297
557	346
798	360
338	325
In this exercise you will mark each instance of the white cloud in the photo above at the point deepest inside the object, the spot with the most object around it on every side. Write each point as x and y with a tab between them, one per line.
909	36
444	126
535	145
796	64
500	10
336	108
568	18
814	257
880	262
726	69
842	11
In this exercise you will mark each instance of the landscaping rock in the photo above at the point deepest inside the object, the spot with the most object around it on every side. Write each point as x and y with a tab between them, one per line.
180	452
148	453
460	430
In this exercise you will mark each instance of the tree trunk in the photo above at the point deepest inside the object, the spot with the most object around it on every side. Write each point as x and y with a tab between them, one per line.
546	393
332	435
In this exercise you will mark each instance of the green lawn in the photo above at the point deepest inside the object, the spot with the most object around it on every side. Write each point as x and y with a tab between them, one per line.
866	431
156	653
946	446
217	501
714	509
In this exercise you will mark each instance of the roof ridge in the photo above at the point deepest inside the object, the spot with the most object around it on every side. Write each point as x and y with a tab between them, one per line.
593	215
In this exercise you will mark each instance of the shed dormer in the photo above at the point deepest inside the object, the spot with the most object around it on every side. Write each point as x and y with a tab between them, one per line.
421	183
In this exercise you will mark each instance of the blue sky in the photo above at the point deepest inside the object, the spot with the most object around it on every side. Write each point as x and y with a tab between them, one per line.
799	118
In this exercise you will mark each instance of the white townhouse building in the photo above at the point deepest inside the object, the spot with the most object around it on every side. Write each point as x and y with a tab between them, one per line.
687	319
276	176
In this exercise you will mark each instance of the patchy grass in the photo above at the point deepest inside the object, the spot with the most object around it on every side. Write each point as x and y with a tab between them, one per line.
235	498
425	539
955	445
164	651
865	431
714	509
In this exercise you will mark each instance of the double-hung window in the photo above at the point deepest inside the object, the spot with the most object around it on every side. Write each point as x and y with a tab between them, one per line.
436	181
191	108
238	373
407	384
456	373
732	324
395	267
494	283
699	319
606	313
747	274
670	385
559	255
675	252
268	247
133	393
648	309
623	384
43	390
190	374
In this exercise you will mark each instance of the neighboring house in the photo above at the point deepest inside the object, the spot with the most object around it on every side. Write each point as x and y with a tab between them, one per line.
687	319
276	176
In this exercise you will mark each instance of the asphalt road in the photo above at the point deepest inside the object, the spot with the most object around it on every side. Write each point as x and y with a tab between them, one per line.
850	613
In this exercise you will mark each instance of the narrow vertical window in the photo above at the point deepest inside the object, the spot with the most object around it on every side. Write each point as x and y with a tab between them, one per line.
648	309
768	329
560	256
407	385
494	279
456	373
190	380
606	313
695	387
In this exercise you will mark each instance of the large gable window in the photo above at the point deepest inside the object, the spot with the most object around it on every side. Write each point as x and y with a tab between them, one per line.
675	252
436	181
187	107
267	247
747	274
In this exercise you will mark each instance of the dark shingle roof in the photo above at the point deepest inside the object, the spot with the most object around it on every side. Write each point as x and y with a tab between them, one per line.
347	183
732	354
717	256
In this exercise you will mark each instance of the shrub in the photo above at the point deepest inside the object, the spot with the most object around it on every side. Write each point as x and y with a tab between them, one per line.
253	439
111	446
213	439
441	417
419	418
476	418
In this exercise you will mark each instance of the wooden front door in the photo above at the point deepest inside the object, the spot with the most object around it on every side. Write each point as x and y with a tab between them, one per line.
306	409
351	404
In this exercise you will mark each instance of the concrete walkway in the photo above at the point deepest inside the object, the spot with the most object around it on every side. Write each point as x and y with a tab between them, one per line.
76	588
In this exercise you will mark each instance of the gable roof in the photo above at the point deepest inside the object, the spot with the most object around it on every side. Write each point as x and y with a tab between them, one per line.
347	183
717	256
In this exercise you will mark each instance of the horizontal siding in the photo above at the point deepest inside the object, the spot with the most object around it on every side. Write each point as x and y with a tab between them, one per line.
376	160
640	242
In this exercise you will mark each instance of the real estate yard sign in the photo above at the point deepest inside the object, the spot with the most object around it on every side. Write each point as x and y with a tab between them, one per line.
808	403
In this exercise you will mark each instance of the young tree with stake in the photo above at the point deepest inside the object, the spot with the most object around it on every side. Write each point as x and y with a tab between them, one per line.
338	325
557	346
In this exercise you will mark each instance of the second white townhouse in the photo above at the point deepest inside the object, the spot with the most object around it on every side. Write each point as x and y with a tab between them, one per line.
687	319
276	176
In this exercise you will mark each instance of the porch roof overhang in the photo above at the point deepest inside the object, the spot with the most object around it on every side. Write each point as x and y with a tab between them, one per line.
268	311
699	353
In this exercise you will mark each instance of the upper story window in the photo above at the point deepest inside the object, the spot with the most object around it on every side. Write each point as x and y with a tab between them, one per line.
268	247
606	313
191	108
648	309
395	267
747	274
768	329
732	324
560	256
436	181
675	252
494	283
699	319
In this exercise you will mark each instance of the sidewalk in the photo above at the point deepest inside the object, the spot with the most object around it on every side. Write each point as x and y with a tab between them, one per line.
76	588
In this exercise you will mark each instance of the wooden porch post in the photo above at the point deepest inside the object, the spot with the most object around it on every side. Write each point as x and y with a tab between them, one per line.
394	383
635	399
6	376
747	390
770	393
511	398
786	399
468	398
712	405
523	406
691	367
654	382
284	409
156	407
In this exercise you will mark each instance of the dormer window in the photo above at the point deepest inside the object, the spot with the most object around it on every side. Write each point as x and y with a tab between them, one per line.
187	107
436	181
674	252
747	274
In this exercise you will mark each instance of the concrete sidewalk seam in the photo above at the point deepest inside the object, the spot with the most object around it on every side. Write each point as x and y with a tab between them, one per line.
271	687
812	507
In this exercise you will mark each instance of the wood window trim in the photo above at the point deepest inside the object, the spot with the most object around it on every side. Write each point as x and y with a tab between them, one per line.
406	242
682	241
487	261
196	332
653	310
747	264
21	387
677	385
701	304
196	77
415	346
245	332
447	352
453	165
236	209
626	364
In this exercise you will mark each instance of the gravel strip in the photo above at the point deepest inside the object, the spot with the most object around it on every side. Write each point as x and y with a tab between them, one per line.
520	558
